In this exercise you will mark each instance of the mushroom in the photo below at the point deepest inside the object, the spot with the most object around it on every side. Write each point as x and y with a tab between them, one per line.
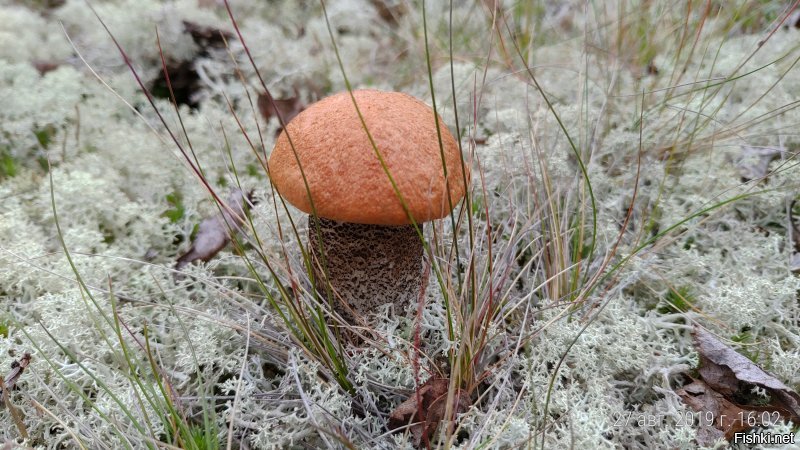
368	249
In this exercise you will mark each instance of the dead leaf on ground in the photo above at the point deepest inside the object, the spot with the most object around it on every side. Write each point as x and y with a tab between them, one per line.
425	409
719	418
390	10
11	445
6	384
207	37
753	162
722	392
794	263
287	108
44	67
213	233
17	367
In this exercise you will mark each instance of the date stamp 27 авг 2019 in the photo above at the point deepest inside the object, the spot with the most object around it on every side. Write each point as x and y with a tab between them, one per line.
746	420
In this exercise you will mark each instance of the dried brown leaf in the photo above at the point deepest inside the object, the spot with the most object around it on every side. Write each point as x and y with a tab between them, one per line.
44	67
390	10
11	445
753	162
725	416
207	37
727	379
287	108
17	367
213	233
425	409
794	263
727	370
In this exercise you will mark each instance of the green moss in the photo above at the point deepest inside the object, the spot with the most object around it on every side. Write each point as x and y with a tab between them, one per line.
193	235
8	167
45	135
5	326
253	170
750	349
677	300
753	15
177	210
44	164
108	234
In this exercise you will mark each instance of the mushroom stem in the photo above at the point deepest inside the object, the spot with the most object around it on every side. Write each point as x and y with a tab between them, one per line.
367	265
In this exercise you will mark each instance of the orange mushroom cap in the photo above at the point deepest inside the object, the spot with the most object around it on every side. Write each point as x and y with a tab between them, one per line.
344	175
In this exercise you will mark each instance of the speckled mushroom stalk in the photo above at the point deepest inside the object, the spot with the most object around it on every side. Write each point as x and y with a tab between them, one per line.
372	254
367	265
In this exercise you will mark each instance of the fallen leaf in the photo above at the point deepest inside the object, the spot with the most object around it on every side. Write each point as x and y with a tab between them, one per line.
721	394
390	10
213	233
45	66
284	108
425	409
11	445
753	162
207	37
718	418
17	367
6	384
794	263
729	369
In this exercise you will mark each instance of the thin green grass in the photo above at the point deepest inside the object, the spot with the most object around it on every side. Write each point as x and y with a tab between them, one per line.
148	382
